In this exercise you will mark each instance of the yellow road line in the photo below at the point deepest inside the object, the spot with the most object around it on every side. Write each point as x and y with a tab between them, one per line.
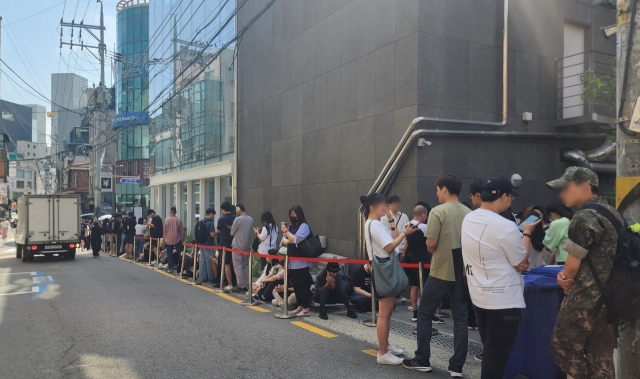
313	329
373	352
223	295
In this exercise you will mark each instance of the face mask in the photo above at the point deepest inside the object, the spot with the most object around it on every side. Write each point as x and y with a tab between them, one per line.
294	220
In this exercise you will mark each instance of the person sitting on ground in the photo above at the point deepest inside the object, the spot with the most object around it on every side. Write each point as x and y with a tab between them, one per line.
330	289
278	293
187	270
266	271
268	284
361	282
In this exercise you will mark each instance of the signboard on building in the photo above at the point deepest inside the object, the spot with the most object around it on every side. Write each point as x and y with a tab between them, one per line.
4	190
129	180
106	182
137	211
52	114
12	183
129	118
13	156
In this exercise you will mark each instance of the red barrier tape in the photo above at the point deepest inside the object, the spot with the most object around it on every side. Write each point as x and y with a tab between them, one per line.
143	238
337	260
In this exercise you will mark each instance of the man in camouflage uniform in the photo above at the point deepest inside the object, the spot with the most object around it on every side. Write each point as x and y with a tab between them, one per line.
583	340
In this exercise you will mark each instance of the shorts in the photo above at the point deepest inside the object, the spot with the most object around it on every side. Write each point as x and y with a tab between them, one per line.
228	257
414	273
128	239
153	242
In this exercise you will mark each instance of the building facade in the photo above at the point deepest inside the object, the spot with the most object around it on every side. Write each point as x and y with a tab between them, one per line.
38	122
328	89
68	102
132	93
192	124
15	121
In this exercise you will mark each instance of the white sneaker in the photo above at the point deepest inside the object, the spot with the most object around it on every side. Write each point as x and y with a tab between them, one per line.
389	359
393	349
227	289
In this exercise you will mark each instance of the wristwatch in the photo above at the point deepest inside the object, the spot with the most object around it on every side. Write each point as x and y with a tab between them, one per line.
392	229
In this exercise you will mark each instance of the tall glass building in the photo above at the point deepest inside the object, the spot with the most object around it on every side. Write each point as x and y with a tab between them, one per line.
192	112
132	96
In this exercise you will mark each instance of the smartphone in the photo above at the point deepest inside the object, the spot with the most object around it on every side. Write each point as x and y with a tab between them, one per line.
529	220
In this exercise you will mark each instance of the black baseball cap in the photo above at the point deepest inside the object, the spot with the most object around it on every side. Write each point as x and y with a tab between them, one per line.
496	186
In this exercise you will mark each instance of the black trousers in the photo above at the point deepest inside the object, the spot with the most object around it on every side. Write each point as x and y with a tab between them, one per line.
501	330
266	293
361	301
337	295
302	281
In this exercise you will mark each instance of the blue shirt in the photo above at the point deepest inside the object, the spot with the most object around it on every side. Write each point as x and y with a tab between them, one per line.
224	227
300	233
211	228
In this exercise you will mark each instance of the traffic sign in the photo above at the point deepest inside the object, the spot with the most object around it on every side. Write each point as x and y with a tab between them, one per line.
130	180
13	156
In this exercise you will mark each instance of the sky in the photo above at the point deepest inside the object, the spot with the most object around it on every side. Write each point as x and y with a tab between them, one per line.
31	45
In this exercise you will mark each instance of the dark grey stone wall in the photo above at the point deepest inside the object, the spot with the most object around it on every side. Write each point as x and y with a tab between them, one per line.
326	88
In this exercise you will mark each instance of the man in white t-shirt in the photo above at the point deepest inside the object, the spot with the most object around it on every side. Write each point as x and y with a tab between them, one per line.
494	254
395	215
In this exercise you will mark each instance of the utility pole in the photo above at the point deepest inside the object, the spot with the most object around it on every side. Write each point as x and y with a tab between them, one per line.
628	160
101	93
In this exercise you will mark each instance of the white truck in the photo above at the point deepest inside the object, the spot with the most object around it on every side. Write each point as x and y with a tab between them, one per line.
48	225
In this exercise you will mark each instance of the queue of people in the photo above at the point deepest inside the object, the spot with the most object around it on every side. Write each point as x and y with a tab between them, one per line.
477	254
478	257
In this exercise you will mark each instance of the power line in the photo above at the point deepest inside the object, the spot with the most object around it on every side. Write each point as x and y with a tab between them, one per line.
35	14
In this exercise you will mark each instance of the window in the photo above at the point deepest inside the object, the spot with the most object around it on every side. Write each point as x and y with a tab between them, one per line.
19	174
29	175
20	184
7	115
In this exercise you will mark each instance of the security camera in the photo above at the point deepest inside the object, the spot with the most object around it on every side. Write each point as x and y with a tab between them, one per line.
516	180
608	31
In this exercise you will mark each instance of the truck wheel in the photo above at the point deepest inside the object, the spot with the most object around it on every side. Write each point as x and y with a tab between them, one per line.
71	255
18	251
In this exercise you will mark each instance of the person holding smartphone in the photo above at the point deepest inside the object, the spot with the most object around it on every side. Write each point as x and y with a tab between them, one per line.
381	243
293	234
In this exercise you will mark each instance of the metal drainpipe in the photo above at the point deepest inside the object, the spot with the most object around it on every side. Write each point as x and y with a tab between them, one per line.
394	156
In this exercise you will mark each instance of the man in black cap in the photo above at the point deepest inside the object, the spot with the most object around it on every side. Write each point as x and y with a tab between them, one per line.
494	254
330	288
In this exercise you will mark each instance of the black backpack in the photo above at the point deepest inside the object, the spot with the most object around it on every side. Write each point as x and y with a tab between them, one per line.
621	294
200	233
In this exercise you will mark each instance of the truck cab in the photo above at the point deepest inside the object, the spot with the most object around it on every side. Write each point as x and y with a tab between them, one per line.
48	225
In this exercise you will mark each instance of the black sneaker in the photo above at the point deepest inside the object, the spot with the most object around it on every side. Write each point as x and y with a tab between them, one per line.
351	314
455	371
240	290
323	315
478	357
414	365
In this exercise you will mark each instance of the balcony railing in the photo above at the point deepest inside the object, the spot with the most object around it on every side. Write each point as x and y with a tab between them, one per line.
571	75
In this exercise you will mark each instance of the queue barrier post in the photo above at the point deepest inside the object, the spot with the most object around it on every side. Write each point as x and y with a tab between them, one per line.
113	245
421	276
184	252
195	259
373	321
157	266
250	303
285	303
222	271
150	250
133	254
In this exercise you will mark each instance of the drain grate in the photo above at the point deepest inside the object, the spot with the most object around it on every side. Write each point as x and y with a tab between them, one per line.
443	340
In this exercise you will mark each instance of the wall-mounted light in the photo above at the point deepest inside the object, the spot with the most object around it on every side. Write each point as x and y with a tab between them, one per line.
527	116
516	180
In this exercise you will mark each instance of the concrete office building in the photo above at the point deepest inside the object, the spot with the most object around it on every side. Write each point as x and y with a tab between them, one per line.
15	122
68	101
38	122
327	90
192	139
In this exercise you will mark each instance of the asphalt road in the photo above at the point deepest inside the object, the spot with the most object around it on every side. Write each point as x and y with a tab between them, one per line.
108	318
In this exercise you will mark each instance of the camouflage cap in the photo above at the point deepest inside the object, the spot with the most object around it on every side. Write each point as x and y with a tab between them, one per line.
574	174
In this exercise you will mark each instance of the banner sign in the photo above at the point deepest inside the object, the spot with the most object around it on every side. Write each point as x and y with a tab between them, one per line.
129	118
